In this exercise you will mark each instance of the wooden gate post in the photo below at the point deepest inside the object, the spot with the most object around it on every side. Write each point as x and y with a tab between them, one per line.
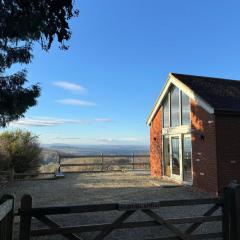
237	209
231	212
226	213
10	217
11	174
25	217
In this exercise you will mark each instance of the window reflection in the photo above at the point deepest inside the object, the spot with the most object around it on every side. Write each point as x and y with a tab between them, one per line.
166	113
175	108
185	109
175	156
179	113
187	158
166	156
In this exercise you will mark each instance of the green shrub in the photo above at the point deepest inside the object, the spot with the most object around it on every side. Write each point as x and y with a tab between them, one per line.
4	162
19	150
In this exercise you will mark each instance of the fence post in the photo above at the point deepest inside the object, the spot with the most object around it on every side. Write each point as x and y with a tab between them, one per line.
231	212
11	174
25	217
133	161
102	160
59	163
10	217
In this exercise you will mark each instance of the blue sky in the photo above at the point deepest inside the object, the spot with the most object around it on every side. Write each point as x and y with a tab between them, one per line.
101	90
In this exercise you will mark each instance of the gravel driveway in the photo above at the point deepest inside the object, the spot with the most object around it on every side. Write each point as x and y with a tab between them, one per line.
78	189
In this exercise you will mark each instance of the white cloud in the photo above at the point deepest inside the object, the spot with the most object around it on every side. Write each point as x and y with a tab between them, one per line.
131	139
45	122
120	140
106	140
103	120
48	121
66	138
70	86
75	102
36	122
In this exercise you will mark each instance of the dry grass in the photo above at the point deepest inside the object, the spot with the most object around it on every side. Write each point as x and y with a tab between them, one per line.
110	163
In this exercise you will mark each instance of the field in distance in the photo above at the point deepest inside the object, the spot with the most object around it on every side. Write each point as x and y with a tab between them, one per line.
49	153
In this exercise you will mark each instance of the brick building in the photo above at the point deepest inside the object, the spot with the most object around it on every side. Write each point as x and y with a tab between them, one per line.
195	131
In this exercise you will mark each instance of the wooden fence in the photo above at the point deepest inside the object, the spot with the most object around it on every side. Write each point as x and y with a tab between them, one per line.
6	217
229	217
104	162
9	174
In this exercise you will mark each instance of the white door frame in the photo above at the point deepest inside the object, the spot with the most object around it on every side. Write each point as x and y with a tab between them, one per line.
175	176
187	135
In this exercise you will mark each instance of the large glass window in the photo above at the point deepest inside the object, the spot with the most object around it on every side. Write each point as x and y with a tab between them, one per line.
175	107
179	110
185	109
166	113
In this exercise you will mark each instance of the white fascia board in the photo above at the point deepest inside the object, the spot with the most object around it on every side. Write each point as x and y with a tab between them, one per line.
159	101
184	88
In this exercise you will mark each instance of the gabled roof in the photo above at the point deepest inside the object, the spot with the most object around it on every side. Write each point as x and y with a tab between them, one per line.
214	94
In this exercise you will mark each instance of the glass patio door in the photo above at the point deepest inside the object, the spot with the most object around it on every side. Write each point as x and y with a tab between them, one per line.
175	157
166	157
187	158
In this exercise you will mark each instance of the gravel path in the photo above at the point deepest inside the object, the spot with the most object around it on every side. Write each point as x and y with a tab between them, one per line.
78	189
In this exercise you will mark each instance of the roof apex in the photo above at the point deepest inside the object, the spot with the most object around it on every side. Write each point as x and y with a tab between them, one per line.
211	93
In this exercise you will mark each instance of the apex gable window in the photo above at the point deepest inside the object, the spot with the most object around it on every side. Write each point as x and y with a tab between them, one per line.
176	109
185	109
175	120
166	112
176	155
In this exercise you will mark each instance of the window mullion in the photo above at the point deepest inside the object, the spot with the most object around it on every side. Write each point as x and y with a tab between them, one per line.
169	112
180	107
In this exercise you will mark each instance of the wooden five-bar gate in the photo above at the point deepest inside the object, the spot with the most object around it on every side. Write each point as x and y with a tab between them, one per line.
126	210
224	209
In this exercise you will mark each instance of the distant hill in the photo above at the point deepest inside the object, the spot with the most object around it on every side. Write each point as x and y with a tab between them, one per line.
50	151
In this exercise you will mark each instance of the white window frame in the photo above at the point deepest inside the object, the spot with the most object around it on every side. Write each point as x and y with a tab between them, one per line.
178	131
187	182
175	176
169	125
181	109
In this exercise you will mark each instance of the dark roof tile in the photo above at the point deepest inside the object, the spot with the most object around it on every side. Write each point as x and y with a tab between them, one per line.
221	94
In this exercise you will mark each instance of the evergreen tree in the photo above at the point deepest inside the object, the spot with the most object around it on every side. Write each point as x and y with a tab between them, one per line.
23	22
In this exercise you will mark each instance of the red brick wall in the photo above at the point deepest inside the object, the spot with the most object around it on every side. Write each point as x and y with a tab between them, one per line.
156	145
228	148
204	152
204	156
